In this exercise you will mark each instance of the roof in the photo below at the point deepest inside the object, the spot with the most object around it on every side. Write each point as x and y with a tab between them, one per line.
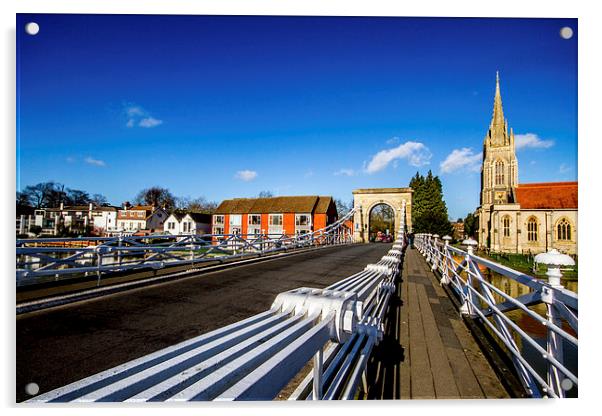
200	218
280	204
24	210
141	208
178	215
547	195
87	207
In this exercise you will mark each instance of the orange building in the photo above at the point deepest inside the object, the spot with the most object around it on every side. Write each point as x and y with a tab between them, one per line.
289	215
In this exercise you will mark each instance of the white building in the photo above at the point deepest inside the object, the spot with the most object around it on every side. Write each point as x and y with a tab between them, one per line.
141	218
83	219
187	223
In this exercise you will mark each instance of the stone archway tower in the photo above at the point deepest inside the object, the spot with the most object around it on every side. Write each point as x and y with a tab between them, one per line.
366	199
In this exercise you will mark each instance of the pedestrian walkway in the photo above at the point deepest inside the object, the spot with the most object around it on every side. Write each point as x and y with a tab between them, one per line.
427	351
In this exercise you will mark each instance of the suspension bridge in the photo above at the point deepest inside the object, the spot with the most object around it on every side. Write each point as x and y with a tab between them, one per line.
311	317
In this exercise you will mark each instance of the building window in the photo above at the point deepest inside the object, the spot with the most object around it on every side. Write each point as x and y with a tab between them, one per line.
218	219
218	230
563	230
275	219
506	226
532	229
302	219
171	225
235	220
499	172
254	219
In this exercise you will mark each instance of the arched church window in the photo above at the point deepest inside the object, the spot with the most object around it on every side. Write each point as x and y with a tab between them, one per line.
532	229
499	172
563	230
506	226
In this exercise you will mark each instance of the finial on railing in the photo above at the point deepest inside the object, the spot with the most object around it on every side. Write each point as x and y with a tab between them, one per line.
447	239
470	245
554	259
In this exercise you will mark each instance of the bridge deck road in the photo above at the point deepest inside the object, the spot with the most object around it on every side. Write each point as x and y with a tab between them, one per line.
427	351
60	346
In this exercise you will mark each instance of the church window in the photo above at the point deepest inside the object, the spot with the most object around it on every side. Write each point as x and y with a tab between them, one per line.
499	172
563	230
506	226
532	229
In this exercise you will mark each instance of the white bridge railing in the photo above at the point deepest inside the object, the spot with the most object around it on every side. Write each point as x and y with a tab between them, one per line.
461	270
254	359
48	259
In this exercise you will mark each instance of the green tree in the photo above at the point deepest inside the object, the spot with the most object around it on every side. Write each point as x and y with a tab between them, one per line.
471	225
429	211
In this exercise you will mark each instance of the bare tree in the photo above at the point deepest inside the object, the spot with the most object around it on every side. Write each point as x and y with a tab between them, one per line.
41	194
265	194
342	207
22	198
77	197
157	196
200	205
99	200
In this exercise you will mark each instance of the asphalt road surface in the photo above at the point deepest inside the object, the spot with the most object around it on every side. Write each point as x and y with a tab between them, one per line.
63	345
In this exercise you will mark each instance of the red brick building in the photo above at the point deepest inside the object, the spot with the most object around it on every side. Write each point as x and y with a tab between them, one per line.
290	215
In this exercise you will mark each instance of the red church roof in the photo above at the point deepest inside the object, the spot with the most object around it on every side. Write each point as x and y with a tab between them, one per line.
547	195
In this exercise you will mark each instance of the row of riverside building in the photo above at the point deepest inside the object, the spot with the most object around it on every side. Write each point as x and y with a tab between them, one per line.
288	215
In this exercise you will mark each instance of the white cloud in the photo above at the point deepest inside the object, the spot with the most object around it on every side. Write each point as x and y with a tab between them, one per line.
246	175
344	172
134	110
94	162
309	174
393	140
138	116
149	122
417	154
564	168
461	159
70	159
531	140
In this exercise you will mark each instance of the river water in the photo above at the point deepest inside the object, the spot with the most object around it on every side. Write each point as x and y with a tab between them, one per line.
534	328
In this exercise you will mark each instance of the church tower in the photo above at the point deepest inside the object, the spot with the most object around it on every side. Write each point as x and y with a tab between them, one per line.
499	172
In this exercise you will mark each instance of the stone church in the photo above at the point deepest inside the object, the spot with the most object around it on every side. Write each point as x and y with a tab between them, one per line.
521	218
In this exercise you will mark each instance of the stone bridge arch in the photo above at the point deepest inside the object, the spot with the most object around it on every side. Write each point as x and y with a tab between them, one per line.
366	199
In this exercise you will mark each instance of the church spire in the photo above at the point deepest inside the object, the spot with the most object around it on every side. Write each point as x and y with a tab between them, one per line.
498	129
498	111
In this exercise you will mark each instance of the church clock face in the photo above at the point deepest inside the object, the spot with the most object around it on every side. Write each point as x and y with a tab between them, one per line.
499	196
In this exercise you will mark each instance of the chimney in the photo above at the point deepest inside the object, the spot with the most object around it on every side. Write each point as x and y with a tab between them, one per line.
61	207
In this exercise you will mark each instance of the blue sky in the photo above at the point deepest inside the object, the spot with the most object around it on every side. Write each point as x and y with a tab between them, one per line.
223	106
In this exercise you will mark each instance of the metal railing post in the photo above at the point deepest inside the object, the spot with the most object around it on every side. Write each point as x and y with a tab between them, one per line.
468	306
318	370
436	253
445	279
554	259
